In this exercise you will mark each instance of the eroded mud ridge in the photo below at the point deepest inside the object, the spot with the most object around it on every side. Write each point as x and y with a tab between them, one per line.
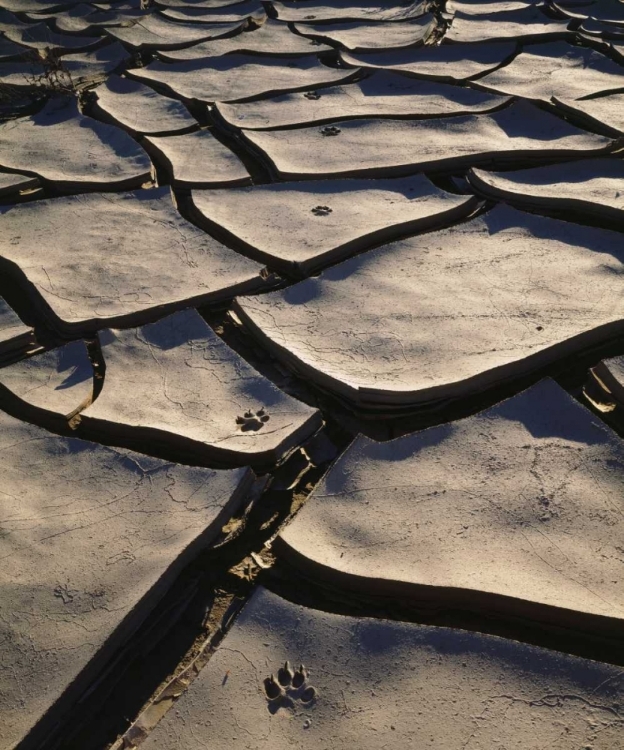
311	374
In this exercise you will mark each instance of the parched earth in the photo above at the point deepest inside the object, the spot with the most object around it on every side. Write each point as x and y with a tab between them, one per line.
311	374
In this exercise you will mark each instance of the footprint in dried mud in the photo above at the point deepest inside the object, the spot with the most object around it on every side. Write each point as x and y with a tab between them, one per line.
321	210
62	591
289	689
252	422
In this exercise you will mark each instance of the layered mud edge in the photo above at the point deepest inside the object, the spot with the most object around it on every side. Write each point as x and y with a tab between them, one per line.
178	638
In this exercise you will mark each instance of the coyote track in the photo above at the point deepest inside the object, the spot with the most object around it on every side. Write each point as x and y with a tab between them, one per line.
289	689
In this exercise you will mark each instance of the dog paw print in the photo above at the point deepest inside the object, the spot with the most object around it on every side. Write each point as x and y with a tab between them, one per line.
290	689
330	130
62	591
314	95
321	210
252	422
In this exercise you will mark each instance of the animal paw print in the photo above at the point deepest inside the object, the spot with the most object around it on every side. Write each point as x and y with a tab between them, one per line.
330	130
290	689
251	422
62	591
312	95
321	210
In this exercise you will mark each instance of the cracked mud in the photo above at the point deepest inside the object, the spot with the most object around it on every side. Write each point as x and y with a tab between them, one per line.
311	374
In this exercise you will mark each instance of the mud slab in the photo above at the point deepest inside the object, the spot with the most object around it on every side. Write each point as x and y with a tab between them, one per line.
16	338
481	7
23	6
50	387
93	537
95	261
444	63
607	11
467	311
301	226
118	4
197	18
238	13
383	94
85	19
194	16
361	36
529	24
420	515
140	109
156	32
83	67
12	184
21	73
176	386
41	36
237	77
88	66
347	10
368	148
604	114
591	186
372	684
272	38
71	151
556	69
206	4
198	160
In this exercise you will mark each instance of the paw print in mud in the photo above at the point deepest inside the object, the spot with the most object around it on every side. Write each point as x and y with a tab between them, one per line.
252	422
321	210
290	689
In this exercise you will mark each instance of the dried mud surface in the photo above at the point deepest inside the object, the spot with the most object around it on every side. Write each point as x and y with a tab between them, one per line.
311	374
